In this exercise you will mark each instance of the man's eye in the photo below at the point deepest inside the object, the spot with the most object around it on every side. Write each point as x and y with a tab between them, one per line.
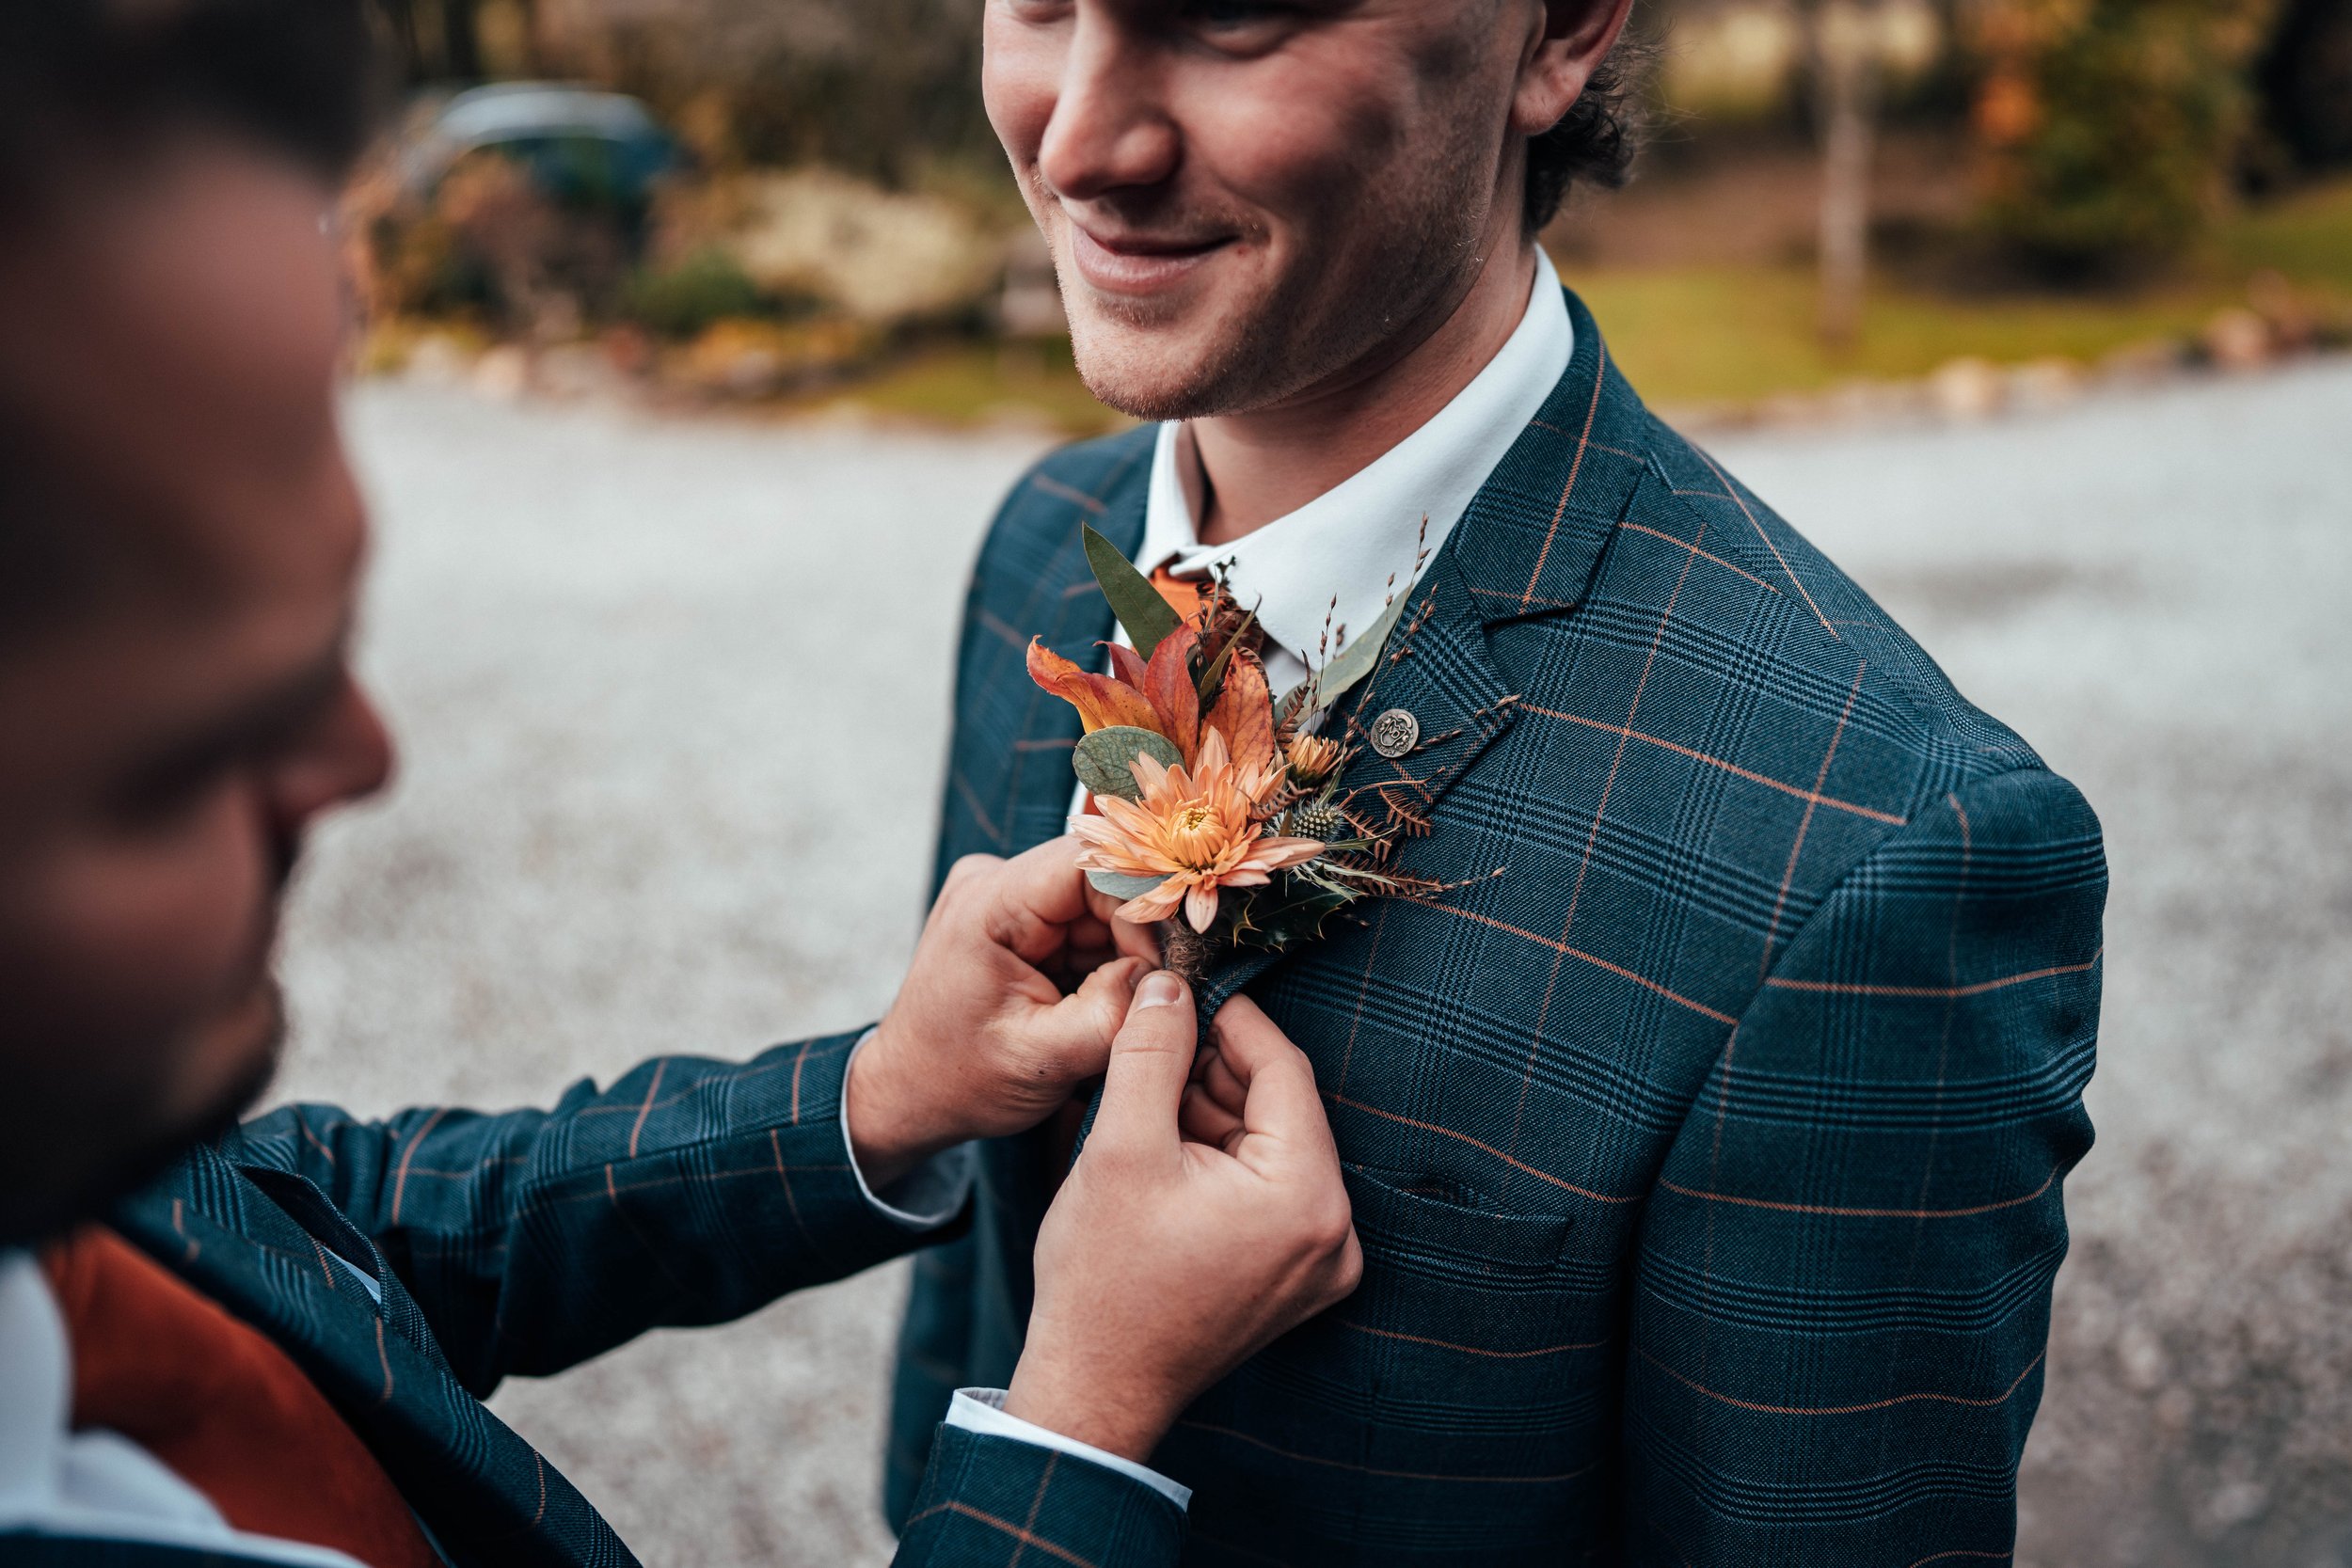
1230	15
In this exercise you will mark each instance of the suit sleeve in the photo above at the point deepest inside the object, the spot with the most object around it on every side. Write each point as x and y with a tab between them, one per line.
1842	1293
989	1500
691	1192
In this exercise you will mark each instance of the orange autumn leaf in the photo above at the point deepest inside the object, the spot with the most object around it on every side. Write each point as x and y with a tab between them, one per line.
1168	684
1243	712
1100	701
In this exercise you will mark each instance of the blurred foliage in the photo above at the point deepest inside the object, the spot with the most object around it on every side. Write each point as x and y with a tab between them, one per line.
2110	128
681	300
2306	82
882	89
1738	336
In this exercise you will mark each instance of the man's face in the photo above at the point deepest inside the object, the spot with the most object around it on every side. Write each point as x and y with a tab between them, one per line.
1251	199
169	342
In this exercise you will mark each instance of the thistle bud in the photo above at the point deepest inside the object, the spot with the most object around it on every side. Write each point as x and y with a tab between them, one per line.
1312	758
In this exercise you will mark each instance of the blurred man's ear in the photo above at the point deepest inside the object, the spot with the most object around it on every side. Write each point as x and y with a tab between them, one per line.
1577	35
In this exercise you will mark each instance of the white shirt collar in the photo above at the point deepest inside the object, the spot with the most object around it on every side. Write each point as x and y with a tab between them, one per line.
1357	541
94	1484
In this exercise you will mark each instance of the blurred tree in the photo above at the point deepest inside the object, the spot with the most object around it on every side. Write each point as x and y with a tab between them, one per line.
2306	79
1842	54
2109	128
437	40
881	88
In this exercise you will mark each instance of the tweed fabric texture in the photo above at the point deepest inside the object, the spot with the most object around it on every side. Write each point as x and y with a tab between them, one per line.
1706	1158
987	1504
689	1192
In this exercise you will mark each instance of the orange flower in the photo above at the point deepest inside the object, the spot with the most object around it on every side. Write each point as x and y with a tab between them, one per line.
1197	829
1312	759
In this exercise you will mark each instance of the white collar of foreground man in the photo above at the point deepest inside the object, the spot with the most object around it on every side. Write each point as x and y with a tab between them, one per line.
95	1485
1351	540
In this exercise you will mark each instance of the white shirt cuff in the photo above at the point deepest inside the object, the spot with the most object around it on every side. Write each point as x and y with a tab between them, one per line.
982	1410
926	1197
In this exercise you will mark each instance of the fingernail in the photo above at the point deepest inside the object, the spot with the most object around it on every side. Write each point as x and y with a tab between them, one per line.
1159	990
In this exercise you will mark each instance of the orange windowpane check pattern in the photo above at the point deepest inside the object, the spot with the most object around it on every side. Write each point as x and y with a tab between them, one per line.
690	1191
1708	1141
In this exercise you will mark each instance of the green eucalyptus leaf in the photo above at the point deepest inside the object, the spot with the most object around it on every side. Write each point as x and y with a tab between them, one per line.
1146	616
1112	885
1104	759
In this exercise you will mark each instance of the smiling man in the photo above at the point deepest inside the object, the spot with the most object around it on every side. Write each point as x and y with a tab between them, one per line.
1706	1141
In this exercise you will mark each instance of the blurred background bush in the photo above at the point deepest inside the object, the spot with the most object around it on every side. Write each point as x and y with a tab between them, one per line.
1848	202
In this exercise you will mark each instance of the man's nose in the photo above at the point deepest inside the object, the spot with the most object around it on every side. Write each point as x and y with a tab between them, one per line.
1110	130
348	758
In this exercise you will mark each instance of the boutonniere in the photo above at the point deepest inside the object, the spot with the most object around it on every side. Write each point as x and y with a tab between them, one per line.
1224	821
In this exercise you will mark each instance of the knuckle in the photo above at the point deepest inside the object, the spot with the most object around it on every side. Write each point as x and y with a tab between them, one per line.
968	868
1330	1225
1346	1275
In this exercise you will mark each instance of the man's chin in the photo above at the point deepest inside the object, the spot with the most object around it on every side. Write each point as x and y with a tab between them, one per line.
1153	371
247	1045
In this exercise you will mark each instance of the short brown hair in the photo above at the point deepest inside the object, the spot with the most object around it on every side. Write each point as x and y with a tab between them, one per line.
1596	140
86	87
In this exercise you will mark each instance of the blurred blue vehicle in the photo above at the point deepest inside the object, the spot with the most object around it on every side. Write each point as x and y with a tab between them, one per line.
584	149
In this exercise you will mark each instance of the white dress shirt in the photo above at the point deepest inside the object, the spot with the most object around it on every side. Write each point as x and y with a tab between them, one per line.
93	1484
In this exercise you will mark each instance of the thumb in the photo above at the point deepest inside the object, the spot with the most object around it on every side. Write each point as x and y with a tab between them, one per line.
1150	1063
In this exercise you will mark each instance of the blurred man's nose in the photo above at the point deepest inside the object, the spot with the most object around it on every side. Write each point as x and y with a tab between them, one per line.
349	758
1109	130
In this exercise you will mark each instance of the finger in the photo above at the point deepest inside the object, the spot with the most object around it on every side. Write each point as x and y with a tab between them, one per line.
1222	1084
1137	941
1204	1121
1282	1104
1151	1061
1075	1032
1034	897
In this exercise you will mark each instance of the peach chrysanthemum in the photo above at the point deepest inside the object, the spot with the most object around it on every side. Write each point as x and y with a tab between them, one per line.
1197	829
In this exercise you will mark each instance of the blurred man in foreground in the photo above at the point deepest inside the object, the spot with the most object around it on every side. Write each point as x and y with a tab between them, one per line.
1707	1137
268	1343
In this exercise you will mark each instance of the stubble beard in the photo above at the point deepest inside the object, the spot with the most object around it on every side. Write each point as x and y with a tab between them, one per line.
38	1206
1326	313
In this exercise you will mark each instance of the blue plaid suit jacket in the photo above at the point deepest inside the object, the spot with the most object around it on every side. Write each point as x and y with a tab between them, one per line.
1707	1160
689	1192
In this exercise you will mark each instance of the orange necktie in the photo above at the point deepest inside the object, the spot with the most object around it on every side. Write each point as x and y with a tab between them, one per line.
222	1406
1184	595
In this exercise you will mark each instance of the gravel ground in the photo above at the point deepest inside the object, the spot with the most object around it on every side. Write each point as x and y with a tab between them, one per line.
674	698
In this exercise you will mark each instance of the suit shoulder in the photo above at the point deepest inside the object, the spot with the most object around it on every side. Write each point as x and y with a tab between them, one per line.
1081	480
1764	592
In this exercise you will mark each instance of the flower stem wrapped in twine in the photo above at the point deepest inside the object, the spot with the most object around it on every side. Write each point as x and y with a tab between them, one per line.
1185	952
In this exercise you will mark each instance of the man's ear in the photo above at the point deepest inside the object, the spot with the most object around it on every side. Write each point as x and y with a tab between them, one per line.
1575	36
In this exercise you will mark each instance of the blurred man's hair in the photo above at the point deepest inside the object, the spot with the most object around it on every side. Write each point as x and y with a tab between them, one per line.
83	80
90	89
1597	141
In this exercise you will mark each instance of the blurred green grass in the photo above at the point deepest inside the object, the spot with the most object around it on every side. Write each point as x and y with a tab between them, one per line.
1714	335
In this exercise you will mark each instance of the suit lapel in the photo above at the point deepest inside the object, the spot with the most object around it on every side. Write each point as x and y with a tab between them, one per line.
1075	625
1531	537
486	1492
1526	548
1009	780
